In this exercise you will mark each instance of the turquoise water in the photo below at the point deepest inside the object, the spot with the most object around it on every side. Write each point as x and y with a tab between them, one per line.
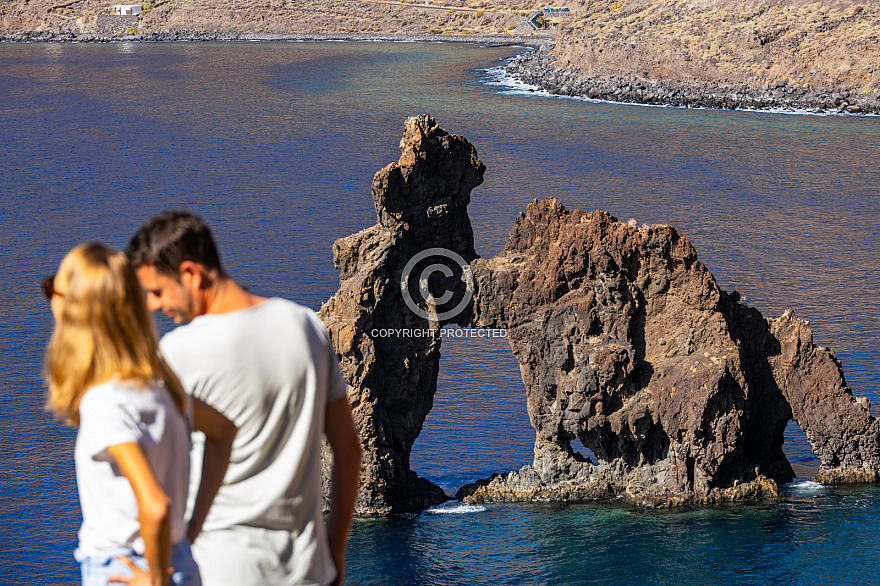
809	536
276	145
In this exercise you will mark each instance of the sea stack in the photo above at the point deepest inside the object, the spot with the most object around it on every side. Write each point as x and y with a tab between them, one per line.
421	203
682	392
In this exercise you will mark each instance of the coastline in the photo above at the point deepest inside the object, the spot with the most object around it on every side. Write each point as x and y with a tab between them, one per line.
178	35
536	69
764	55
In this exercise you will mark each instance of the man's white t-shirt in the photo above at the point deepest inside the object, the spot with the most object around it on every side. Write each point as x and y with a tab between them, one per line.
271	370
114	413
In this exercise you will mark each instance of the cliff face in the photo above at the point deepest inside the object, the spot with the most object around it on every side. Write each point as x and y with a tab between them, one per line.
421	203
625	343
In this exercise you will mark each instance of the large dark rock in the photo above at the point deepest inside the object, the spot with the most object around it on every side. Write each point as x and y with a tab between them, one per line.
625	342
421	203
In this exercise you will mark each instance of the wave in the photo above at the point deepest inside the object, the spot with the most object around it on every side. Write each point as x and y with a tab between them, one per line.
803	485
455	509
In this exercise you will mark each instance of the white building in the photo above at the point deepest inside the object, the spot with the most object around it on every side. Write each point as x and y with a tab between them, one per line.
127	9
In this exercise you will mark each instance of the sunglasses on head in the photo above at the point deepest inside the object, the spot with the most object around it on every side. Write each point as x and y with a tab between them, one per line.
48	286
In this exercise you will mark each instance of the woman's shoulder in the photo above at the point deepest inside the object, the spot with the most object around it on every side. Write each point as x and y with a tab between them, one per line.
130	392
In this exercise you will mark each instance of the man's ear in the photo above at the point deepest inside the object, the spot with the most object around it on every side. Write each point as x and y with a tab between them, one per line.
194	275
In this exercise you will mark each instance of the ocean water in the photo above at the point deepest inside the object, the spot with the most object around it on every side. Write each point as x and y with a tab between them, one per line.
275	144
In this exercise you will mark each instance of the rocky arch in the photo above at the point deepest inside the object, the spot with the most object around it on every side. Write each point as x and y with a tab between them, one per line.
624	339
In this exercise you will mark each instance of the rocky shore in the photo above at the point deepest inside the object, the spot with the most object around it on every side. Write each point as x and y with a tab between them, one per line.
765	54
536	68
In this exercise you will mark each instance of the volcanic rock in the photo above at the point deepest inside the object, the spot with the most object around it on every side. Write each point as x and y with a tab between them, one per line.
390	354
625	341
840	429
682	393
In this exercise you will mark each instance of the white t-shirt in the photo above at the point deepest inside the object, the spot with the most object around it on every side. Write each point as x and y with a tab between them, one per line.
271	370
114	413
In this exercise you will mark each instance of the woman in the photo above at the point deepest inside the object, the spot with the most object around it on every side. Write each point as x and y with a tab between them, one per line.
133	423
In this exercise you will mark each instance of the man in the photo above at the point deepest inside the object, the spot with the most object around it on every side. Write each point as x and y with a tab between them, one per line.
268	366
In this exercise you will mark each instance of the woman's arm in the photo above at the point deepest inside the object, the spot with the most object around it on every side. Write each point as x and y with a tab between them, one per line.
219	433
154	508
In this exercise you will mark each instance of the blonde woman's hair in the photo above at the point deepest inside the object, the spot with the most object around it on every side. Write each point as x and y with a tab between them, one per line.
103	331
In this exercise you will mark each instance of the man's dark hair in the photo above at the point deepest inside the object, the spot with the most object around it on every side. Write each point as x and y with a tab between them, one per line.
170	238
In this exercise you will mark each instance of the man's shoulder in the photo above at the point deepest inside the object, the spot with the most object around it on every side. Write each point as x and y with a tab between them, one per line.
280	311
273	313
278	308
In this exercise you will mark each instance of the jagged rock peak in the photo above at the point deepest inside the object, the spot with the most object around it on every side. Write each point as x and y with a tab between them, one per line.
431	183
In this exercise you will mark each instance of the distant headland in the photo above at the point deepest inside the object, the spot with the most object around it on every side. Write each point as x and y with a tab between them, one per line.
717	54
756	54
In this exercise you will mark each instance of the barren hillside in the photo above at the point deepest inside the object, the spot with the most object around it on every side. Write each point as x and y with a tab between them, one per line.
268	17
714	53
760	44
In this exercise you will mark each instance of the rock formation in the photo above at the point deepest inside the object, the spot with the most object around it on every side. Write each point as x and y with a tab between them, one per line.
421	203
626	343
841	430
624	339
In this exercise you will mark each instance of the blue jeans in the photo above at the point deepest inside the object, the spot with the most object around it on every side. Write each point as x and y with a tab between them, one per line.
97	570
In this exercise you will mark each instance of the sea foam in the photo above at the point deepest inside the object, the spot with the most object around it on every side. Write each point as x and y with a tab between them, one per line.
455	509
803	485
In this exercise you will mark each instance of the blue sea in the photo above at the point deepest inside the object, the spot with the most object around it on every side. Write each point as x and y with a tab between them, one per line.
276	144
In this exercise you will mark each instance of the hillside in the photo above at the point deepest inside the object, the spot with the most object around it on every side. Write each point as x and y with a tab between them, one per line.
783	49
265	17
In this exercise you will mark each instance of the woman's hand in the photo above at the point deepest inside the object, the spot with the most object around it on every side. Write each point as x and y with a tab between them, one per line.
140	577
